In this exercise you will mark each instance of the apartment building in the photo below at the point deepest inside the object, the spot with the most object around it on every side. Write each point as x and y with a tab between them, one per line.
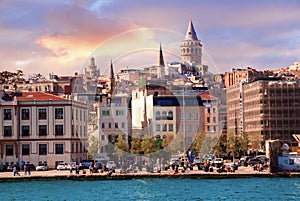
38	127
269	108
212	124
157	113
114	122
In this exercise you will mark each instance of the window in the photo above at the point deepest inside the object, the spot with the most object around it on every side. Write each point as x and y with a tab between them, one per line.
59	113
42	113
214	128
214	110
103	125
214	119
59	149
42	130
109	125
196	128
42	149
181	127
119	112
105	113
170	115
25	149
9	150
84	116
181	116
157	115
25	130
123	125
164	115
189	117
208	110
7	114
189	128
80	115
116	125
170	127
208	120
164	128
7	131
59	129
25	114
196	116
102	137
157	127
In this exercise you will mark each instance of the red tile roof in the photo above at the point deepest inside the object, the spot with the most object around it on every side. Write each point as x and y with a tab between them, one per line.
205	96
39	96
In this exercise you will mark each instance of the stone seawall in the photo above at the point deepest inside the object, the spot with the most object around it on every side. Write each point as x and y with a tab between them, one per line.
46	176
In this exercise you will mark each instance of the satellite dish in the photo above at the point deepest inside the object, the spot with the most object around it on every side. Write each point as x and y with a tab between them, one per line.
285	147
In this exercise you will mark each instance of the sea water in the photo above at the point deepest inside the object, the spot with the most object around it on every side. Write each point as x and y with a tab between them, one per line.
154	189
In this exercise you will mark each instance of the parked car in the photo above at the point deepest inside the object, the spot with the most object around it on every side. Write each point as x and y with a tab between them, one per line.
3	168
218	162
42	167
30	165
254	161
197	161
111	164
62	166
85	164
174	161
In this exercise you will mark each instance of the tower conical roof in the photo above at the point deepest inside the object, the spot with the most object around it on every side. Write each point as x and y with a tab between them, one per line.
161	57
191	33
112	75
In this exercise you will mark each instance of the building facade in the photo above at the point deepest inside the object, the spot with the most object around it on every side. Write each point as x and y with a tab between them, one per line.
266	108
114	122
40	128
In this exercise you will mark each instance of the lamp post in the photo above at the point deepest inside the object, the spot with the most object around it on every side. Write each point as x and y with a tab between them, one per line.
184	123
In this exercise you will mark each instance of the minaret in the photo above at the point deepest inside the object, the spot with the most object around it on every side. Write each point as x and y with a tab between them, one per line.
112	79
161	64
191	47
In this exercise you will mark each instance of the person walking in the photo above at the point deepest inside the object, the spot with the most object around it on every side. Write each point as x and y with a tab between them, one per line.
28	170
25	170
16	171
91	168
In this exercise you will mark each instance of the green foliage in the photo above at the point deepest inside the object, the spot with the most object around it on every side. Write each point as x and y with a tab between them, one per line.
7	77
220	147
149	145
136	144
93	146
121	147
198	142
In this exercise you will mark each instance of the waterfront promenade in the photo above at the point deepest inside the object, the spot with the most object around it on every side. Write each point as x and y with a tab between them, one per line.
242	172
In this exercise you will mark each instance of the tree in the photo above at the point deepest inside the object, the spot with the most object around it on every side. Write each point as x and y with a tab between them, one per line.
121	147
220	147
174	144
198	142
149	145
255	141
7	77
243	142
93	146
231	144
135	147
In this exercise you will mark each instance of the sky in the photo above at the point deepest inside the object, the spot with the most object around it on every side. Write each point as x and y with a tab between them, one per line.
59	36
